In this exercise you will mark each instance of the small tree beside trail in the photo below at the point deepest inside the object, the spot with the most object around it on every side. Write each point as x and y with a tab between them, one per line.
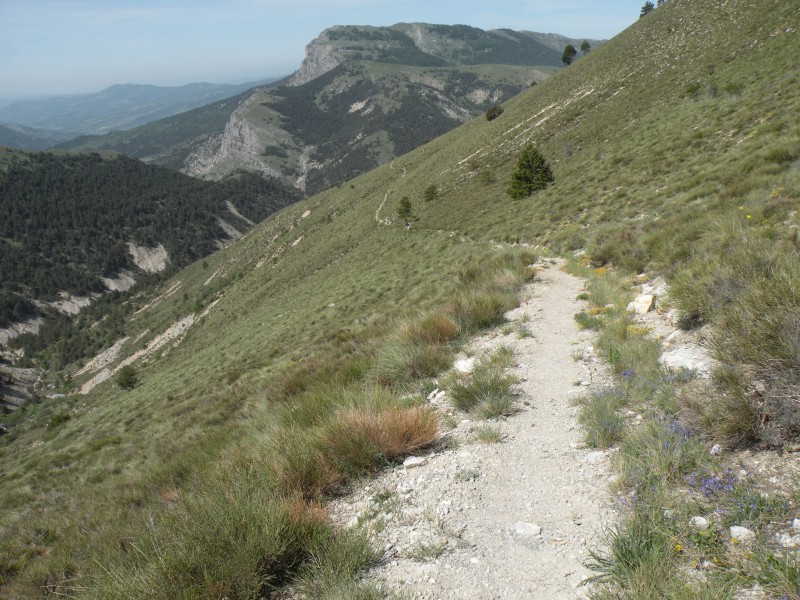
406	211
646	9
532	174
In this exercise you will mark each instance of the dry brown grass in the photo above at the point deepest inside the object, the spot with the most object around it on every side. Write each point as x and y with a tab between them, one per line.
436	327
361	439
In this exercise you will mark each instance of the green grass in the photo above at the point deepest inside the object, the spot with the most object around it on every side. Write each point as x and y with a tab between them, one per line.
646	177
486	391
488	434
600	417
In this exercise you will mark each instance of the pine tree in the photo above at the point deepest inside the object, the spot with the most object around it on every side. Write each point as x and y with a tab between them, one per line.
532	174
405	210
647	8
586	47
127	377
569	54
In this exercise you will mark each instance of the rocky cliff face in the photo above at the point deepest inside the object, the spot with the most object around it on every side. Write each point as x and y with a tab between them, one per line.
239	146
321	57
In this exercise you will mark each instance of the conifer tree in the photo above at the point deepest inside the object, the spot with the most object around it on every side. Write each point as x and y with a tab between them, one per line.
569	54
532	174
405	210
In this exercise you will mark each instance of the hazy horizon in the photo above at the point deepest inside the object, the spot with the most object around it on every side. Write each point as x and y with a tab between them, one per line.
69	47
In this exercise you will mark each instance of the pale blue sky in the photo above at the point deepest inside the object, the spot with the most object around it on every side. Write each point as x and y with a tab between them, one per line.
75	46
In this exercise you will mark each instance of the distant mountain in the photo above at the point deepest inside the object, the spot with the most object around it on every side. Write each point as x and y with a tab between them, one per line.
117	107
30	138
362	96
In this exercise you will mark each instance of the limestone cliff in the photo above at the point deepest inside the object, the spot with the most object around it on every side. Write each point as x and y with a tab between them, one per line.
321	57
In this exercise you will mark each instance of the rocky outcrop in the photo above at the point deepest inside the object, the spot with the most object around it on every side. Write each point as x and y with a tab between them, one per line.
122	282
238	147
149	260
321	57
16	385
15	329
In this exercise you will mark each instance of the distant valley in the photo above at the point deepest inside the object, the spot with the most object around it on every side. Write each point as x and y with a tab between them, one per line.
115	108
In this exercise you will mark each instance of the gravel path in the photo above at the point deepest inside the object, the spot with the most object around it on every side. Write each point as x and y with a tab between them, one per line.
513	519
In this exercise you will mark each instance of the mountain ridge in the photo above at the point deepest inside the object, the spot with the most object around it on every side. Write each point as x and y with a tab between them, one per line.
345	66
117	107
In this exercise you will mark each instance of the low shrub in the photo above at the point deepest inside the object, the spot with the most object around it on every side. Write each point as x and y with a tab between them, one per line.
127	377
493	112
58	418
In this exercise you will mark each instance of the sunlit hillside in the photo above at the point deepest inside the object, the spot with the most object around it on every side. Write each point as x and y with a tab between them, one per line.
675	149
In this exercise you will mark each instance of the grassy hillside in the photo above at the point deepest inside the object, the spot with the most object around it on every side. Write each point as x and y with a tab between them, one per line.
674	149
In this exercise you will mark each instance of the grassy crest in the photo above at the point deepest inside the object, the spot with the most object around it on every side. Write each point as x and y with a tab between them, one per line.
672	146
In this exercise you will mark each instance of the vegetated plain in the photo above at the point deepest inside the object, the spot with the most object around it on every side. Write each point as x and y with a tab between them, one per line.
674	148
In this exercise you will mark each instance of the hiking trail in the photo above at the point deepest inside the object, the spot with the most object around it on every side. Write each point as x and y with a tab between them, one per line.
515	519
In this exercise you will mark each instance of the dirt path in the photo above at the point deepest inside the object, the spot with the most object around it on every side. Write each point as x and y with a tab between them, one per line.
508	520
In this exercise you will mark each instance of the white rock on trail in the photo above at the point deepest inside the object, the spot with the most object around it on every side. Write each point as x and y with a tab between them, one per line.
642	304
465	365
742	534
527	529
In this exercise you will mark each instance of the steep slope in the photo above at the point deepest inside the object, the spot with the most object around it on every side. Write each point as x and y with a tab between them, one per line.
656	140
362	96
76	226
117	107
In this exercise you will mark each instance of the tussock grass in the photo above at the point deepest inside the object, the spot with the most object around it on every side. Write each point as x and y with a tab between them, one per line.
730	418
487	390
362	439
659	452
600	417
488	434
640	554
224	542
